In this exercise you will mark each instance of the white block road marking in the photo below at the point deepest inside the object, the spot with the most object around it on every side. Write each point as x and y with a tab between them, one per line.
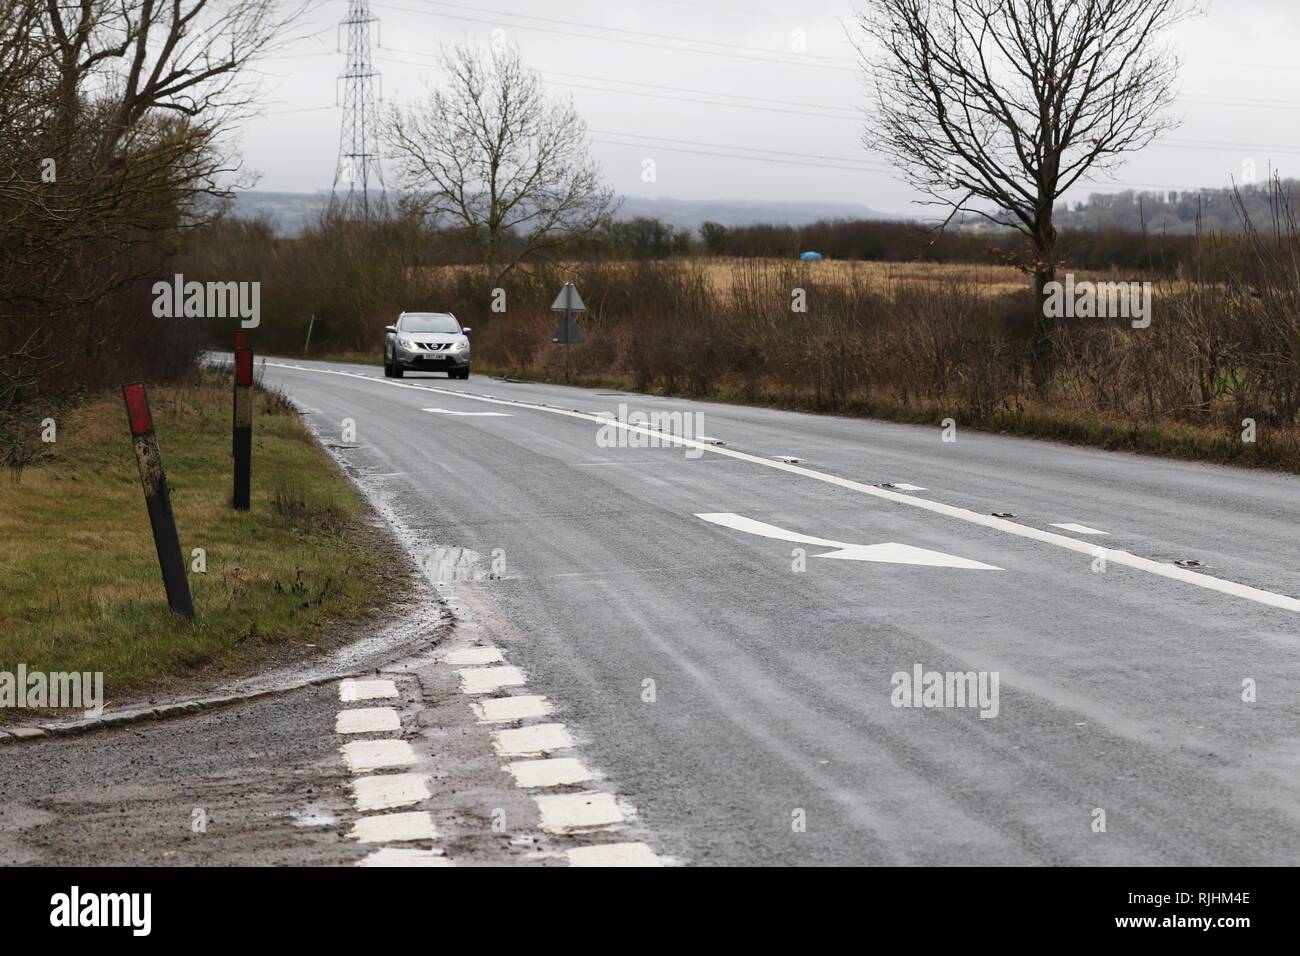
563	812
448	411
890	552
496	710
363	756
484	680
904	486
394	828
1121	558
612	854
535	739
367	720
555	772
404	856
351	690
468	656
1079	528
387	791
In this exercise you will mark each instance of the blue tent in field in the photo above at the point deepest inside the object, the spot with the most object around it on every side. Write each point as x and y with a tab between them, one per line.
810	256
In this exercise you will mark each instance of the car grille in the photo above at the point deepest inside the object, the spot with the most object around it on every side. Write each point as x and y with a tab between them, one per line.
434	346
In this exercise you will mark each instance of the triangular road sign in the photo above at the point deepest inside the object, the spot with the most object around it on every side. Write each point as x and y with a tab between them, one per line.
568	332
568	300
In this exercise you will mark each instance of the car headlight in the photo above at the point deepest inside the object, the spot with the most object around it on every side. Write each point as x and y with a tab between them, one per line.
406	343
461	346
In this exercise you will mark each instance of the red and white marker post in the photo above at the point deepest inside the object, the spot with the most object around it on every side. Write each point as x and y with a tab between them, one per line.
243	430
158	501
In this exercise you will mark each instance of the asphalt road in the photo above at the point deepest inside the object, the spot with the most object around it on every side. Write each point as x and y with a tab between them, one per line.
741	697
727	687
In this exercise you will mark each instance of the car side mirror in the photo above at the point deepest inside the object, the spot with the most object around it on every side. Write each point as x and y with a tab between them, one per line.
465	330
390	328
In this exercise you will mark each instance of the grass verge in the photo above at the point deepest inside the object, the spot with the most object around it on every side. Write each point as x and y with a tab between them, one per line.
288	579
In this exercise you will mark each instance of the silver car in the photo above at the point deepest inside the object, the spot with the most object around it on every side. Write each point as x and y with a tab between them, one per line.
426	342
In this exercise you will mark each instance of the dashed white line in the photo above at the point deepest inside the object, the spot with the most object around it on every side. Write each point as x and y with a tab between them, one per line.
362	756
388	791
352	690
404	856
564	812
448	411
535	739
484	680
553	772
394	828
496	710
612	854
470	656
367	720
1078	528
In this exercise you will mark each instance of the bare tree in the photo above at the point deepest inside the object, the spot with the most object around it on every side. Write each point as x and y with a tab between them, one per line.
113	114
997	107
493	154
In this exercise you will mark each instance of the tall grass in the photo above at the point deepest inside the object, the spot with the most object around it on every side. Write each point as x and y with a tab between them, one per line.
1223	346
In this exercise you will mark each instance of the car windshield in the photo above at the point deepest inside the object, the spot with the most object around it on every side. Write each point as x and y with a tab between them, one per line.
429	323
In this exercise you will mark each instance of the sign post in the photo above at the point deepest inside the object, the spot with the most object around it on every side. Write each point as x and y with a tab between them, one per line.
243	433
158	500
568	302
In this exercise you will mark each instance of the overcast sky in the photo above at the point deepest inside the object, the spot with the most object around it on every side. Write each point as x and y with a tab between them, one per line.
714	92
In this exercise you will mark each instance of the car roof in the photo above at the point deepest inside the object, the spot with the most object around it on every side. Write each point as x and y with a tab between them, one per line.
448	314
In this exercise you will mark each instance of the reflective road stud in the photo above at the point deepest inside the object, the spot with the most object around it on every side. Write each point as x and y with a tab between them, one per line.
158	501
243	427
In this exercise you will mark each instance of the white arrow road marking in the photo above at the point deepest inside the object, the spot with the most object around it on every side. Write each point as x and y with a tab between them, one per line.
1121	558
1078	528
448	411
888	553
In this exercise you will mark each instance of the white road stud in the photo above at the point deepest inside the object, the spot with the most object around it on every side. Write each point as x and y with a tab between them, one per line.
553	772
367	720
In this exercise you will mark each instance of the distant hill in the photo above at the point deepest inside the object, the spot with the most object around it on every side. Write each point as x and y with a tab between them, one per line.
290	212
689	213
